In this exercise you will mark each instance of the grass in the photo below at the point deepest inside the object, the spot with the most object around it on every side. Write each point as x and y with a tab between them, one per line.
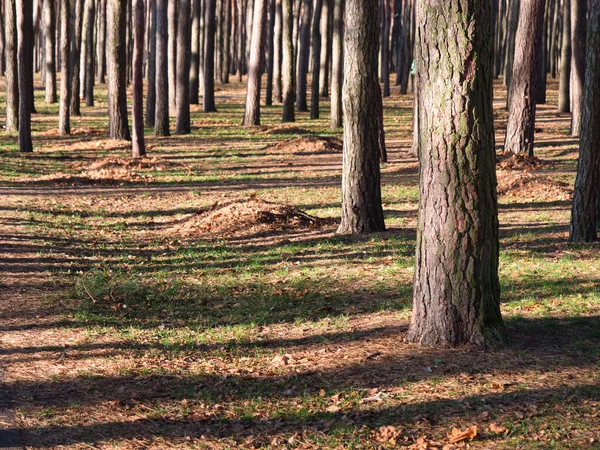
122	332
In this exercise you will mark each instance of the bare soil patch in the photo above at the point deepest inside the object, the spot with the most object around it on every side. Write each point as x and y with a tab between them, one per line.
251	216
308	145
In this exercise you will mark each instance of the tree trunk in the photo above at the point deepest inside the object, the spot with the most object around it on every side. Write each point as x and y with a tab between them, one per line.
337	69
137	145
226	43
64	117
12	66
49	25
287	68
183	68
510	45
161	118
362	212
209	57
89	54
25	32
151	97
525	79
316	60
540	93
325	49
585	199
76	58
277	87
564	91
578	33
385	48
2	41
241	22
118	127
271	54
252	114
456	297
172	55
303	56
101	41
195	55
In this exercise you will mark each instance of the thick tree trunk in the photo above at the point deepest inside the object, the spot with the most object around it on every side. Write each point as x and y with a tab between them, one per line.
316	60
525	79
64	117
362	212
195	55
25	33
585	199
49	25
161	118
456	298
303	56
288	61
172	55
76	58
252	114
278	54
183	68
118	127
137	145
12	66
337	69
151	97
89	54
325	49
209	57
578	33
564	90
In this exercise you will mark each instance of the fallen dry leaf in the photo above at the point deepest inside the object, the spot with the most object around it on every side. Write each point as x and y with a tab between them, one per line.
457	436
495	428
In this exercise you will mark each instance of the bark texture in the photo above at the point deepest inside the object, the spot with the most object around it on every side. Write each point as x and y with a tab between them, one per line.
161	117
564	91
118	127
303	56
362	212
49	25
209	56
456	289
64	117
195	53
252	113
172	55
287	14
151	97
578	33
25	31
525	79
316	60
337	66
183	68
137	148
12	66
585	199
76	58
90	68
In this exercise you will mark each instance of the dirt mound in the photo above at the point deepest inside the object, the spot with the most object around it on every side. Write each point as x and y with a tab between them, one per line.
527	185
286	130
510	161
308	145
245	217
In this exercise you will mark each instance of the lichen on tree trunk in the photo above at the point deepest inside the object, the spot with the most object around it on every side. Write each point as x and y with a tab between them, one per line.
456	289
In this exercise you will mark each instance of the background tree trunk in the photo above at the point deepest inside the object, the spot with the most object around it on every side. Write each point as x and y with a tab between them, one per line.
585	198
183	68
151	97
209	57
12	66
270	54
25	33
510	45
137	148
316	60
325	49
287	14
64	117
337	69
303	56
101	41
456	296
277	51
362	212
76	58
520	129
578	34
252	113
385	48
161	118
564	91
49	25
118	127
89	54
172	55
195	55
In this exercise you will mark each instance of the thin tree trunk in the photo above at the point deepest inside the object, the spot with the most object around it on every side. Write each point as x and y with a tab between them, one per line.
76	58
337	72
25	31
89	54
385	48
303	56
151	97
161	118
241	21
137	145
195	55
209	57
2	41
49	25
101	43
288	61
362	212
252	114
578	34
64	117
172	55
325	49
584	214
12	67
271	54
277	32
316	60
183	68
510	47
226	42
564	87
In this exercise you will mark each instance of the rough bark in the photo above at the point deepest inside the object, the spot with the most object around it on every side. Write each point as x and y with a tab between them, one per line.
456	297
12	67
64	116
303	56
316	60
137	145
195	54
118	127
362	212
151	97
172	55
183	68
161	117
89	54
578	33
76	58
252	113
525	79
584	213
288	61
25	31
564	90
209	57
49	26
337	66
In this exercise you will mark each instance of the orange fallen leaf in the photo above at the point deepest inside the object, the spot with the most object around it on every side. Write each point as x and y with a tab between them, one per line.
495	428
457	436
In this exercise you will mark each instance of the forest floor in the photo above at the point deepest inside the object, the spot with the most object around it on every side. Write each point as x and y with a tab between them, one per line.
200	298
